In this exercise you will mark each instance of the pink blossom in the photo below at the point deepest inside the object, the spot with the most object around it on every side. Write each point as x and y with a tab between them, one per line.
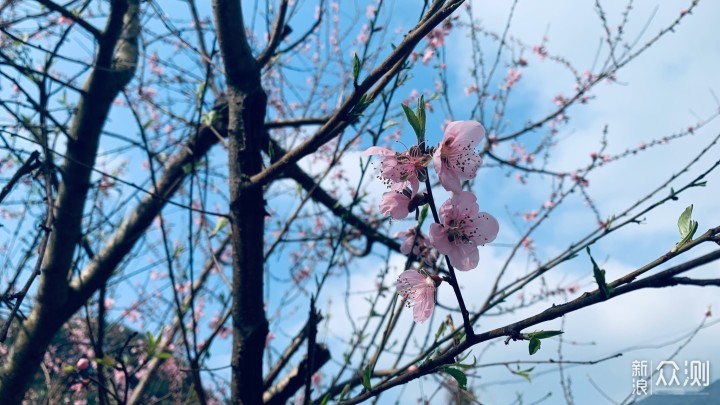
455	158
404	169
579	179
513	76
316	379
462	229
540	51
396	205
528	244
409	237
419	245
530	215
429	53
572	288
419	291
82	364
436	38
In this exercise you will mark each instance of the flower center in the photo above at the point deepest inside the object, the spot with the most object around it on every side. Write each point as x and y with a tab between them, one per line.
456	233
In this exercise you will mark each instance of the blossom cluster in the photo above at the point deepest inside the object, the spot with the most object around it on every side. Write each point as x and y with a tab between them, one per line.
461	226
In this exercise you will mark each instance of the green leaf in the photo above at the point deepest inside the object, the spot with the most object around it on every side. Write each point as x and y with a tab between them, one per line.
414	122
545	334
466	366
440	331
271	151
423	214
523	373
361	105
209	118
420	113
200	90
366	378
344	392
163	355
106	361
599	275
389	124
534	345
325	400
219	225
687	227
151	343
458	375
68	368
356	68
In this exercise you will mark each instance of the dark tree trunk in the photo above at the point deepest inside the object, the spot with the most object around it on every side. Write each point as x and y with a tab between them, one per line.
246	118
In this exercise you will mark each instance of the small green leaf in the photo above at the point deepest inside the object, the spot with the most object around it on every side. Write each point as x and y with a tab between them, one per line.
466	366
344	392
414	122
423	214
684	222
523	373
599	275
361	105
221	223
271	151
325	400
687	227
543	334
209	118
163	355
458	375
200	90
389	124
151	343
106	361
356	68
420	113
440	331
366	378
534	345
68	368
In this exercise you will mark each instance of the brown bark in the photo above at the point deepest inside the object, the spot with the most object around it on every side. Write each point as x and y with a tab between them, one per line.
246	115
114	67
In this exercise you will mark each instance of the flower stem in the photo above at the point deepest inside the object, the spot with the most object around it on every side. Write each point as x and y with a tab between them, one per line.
453	279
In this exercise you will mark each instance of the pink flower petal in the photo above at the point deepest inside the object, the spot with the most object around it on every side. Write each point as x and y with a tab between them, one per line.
395	205
378	150
455	159
487	227
419	291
